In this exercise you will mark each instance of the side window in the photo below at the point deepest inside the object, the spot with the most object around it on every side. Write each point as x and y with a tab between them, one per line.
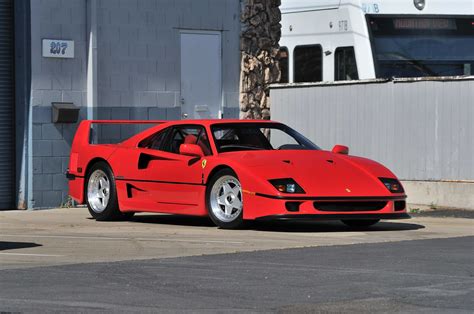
283	58
155	141
187	135
308	64
345	64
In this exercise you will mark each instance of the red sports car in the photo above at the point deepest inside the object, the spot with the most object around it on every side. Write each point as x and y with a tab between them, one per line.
231	171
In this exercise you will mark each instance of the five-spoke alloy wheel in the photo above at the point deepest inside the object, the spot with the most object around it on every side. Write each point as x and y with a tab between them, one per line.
98	191
101	193
224	199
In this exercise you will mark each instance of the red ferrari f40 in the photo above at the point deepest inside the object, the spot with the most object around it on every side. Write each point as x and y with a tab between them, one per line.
231	171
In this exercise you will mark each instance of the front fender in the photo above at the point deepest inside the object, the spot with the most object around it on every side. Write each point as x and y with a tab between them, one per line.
251	180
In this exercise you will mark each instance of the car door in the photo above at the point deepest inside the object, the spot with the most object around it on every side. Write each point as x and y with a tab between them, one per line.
162	179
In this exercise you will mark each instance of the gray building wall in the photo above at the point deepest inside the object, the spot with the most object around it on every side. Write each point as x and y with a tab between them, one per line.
138	71
139	54
420	129
55	80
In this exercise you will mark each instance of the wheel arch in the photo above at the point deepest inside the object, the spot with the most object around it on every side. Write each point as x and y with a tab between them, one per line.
248	179
217	169
237	221
112	209
90	164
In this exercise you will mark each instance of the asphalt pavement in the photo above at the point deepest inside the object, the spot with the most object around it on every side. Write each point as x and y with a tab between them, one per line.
62	261
426	276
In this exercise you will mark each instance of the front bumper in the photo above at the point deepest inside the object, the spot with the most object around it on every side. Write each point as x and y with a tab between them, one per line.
259	206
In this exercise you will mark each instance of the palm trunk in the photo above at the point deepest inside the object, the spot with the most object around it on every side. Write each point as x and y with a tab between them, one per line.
261	32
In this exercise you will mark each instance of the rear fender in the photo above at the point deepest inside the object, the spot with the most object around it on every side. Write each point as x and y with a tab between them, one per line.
83	154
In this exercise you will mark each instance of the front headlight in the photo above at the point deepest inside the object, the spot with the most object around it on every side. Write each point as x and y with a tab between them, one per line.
287	185
393	185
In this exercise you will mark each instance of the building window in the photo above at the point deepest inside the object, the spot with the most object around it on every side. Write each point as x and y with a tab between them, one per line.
283	59
345	64
308	64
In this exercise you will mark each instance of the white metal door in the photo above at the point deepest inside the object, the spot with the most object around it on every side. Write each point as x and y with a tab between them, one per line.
201	90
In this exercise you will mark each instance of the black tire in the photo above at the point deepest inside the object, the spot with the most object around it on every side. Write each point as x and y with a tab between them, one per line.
111	211
360	224
238	221
127	215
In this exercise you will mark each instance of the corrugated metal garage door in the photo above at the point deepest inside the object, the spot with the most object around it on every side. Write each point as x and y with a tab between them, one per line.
7	101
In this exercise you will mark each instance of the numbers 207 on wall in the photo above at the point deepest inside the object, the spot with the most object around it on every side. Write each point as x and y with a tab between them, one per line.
56	48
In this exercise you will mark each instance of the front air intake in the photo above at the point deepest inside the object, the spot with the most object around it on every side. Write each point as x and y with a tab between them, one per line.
293	206
400	205
349	206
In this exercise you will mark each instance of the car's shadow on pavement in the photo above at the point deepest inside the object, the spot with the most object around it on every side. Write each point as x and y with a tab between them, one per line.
16	245
276	225
178	220
330	226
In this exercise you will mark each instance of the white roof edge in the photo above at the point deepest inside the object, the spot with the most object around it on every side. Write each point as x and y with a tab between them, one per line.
374	81
293	6
307	9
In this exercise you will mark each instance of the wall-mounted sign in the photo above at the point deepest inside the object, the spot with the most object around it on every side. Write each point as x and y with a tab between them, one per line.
57	48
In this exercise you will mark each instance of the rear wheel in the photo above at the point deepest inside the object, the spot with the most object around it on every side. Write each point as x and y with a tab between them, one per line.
101	193
360	223
224	200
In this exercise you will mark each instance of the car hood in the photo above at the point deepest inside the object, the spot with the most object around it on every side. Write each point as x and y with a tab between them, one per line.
319	173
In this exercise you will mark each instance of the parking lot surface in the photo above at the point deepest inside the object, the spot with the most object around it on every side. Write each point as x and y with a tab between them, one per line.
69	236
60	260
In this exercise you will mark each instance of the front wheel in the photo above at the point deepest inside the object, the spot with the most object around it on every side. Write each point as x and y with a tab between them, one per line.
357	224
224	200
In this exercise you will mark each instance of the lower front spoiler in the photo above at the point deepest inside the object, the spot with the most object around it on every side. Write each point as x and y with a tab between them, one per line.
336	216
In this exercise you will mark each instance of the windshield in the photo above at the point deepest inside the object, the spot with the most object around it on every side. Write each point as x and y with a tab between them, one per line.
417	46
258	136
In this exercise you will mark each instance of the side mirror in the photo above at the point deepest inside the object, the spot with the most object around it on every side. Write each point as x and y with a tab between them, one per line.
340	149
191	150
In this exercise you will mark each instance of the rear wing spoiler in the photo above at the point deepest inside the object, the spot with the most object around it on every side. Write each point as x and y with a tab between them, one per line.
83	132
